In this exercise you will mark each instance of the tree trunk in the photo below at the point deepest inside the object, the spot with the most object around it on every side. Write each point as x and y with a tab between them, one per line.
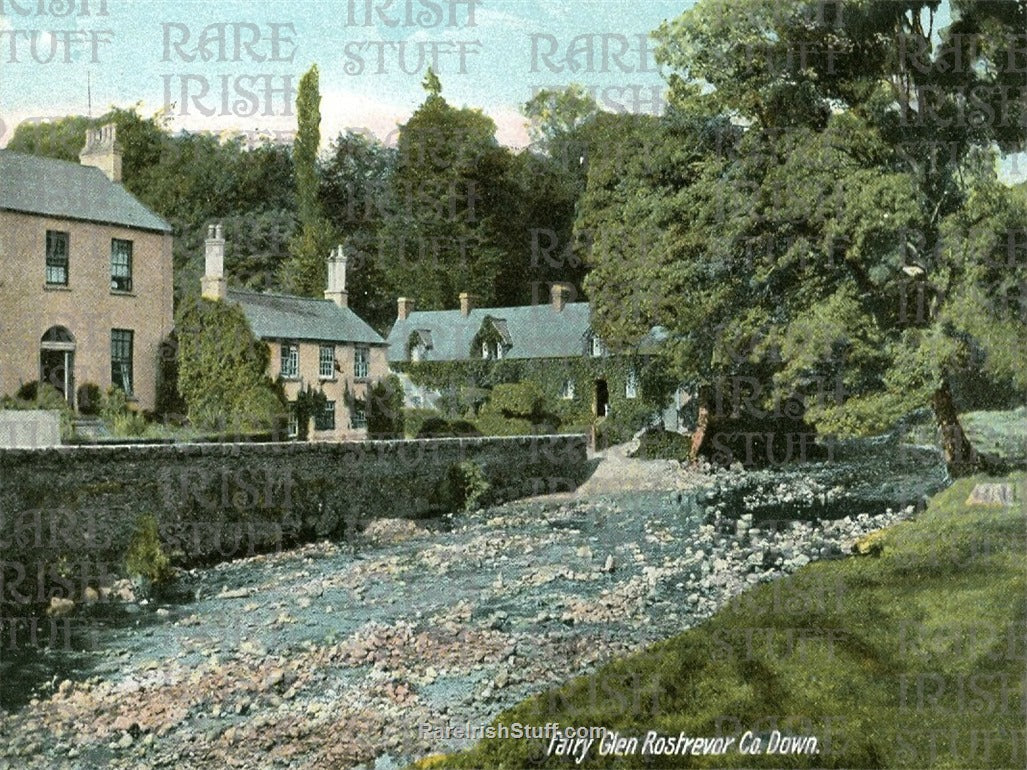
702	422
960	457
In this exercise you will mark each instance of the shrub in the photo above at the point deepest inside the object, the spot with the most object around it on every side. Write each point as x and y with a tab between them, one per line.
115	412
222	369
663	445
28	391
385	408
434	427
465	487
89	399
145	557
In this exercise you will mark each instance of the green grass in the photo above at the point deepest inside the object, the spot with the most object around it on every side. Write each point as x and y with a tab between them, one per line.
914	658
999	433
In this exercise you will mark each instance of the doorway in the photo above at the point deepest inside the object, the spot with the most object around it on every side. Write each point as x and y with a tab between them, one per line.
601	400
57	361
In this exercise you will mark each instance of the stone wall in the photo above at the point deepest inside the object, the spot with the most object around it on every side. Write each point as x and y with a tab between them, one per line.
69	514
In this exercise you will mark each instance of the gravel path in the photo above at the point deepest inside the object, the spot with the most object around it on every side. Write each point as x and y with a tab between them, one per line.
331	655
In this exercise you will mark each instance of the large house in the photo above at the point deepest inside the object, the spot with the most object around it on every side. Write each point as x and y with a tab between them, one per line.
552	344
318	345
86	293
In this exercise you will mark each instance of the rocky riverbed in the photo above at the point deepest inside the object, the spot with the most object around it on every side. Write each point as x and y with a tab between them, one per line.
333	655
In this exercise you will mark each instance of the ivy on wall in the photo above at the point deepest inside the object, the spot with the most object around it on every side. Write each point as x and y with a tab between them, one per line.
465	386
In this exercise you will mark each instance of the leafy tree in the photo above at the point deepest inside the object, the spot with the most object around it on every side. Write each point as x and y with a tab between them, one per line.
306	270
556	117
855	230
449	198
355	181
222	369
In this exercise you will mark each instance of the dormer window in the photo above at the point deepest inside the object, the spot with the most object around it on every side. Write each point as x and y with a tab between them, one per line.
492	340
596	348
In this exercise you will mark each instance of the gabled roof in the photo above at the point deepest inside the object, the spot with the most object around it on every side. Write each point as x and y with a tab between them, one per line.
60	189
534	331
287	317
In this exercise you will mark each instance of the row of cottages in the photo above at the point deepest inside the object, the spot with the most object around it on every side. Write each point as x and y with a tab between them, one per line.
556	338
86	294
316	344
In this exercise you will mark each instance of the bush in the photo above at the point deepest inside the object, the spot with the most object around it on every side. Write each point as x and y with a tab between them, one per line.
145	557
414	419
663	445
385	408
28	392
439	427
465	487
89	399
222	369
115	412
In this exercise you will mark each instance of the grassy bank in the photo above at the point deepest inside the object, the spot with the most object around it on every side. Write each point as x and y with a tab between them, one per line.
912	657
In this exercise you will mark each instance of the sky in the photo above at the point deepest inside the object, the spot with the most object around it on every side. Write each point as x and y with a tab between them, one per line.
201	59
220	65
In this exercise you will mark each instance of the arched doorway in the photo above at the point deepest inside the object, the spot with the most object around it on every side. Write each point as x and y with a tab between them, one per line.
57	361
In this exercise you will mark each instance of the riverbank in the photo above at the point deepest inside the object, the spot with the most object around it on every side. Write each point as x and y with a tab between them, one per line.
911	655
337	654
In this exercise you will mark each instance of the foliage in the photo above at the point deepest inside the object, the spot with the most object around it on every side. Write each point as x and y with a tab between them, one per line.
306	271
308	403
115	412
469	382
414	419
385	408
945	596
659	444
88	398
556	116
795	221
354	186
439	427
145	557
465	487
449	199
223	369
37	395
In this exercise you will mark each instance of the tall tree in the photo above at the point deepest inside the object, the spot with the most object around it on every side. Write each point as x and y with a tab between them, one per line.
847	218
448	199
306	270
354	191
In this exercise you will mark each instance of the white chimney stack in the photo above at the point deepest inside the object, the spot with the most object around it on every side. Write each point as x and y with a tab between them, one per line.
336	290
103	151
214	286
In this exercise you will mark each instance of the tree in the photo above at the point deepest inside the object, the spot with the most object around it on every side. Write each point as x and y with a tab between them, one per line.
868	239
222	369
354	191
306	270
449	197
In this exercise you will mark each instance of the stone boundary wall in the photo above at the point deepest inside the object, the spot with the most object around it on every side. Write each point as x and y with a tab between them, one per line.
69	514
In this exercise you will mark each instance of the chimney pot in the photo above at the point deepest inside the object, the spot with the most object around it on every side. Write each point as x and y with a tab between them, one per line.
467	302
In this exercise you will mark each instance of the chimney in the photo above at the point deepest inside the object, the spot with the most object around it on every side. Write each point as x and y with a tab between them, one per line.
103	151
560	294
213	284
466	303
405	306
336	290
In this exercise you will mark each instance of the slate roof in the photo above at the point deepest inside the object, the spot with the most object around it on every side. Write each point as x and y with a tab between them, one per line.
287	317
534	331
58	188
